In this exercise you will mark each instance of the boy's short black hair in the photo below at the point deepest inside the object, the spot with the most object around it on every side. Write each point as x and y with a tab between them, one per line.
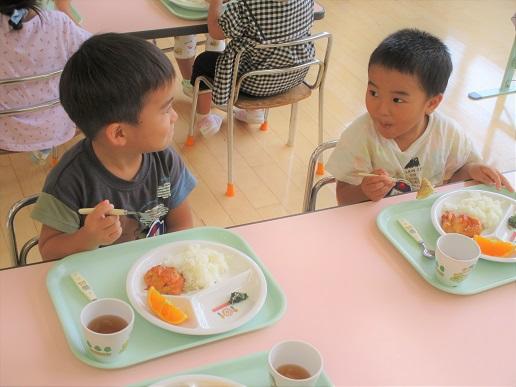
419	53
108	79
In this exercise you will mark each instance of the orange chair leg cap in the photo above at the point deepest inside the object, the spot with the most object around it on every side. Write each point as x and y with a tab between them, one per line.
264	126
230	190
190	141
320	169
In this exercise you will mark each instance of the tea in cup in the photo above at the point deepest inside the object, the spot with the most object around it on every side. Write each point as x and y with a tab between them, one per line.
455	257
294	364
107	324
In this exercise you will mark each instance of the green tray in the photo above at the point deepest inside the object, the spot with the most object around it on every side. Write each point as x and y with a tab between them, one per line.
250	370
184	13
106	270
487	274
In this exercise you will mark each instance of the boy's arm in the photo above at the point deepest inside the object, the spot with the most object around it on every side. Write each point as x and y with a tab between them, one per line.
179	218
349	194
99	229
482	173
214	12
372	188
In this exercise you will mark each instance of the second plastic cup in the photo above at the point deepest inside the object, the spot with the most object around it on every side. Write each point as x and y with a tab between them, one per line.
294	364
455	257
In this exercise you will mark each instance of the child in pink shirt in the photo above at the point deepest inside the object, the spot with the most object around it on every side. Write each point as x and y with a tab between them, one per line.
32	42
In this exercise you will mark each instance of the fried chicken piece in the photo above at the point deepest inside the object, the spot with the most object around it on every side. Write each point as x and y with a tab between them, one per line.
166	280
461	224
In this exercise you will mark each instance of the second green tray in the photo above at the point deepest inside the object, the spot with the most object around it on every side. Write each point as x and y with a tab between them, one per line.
184	13
250	370
106	270
487	274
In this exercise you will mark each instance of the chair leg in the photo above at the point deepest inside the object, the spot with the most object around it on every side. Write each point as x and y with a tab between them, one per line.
190	141
320	163
230	189
293	124
54	157
265	124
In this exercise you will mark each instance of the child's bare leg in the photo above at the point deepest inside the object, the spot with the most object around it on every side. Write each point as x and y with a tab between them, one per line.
185	67
204	103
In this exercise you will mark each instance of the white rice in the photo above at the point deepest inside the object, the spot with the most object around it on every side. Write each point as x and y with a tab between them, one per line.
484	208
200	267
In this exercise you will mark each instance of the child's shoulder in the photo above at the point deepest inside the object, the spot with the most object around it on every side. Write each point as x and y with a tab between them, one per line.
71	163
443	123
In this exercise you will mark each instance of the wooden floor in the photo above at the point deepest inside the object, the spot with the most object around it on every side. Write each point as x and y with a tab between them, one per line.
270	176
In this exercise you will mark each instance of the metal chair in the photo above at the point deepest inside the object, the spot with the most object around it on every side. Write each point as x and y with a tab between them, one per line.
290	97
31	108
19	259
311	189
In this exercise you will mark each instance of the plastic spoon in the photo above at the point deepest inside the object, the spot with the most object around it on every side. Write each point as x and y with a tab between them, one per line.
411	230
83	286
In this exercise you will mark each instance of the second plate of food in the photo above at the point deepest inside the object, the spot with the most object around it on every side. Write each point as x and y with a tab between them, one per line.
196	287
483	213
196	380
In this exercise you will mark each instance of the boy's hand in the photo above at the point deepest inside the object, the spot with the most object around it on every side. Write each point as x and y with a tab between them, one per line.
489	175
101	228
376	187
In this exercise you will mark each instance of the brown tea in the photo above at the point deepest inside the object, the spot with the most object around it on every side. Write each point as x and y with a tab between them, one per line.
293	371
107	324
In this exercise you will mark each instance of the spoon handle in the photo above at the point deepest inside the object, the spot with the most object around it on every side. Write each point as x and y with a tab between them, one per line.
114	211
411	230
83	286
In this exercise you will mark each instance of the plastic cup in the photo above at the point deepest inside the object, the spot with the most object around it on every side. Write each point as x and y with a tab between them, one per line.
107	347
455	257
298	353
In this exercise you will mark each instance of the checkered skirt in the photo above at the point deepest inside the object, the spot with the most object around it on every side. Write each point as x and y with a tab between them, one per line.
252	22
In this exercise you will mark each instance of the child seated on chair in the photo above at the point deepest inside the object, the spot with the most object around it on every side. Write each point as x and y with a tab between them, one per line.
118	89
249	23
401	138
34	41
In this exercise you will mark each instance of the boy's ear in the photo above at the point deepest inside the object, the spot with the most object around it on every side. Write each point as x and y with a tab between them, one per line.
115	134
433	102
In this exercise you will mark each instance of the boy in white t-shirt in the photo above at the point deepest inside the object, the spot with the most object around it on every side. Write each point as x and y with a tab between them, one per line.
401	138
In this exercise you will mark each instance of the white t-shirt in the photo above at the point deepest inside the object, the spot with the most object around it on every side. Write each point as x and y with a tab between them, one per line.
44	44
440	151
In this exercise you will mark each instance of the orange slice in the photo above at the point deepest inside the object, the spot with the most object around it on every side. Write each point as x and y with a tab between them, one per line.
494	247
163	308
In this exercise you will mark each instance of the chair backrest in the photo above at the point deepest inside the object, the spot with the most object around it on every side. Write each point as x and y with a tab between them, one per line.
34	107
321	62
311	189
19	259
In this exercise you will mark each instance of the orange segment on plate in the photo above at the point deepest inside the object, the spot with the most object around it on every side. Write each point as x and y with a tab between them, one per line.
163	308
494	247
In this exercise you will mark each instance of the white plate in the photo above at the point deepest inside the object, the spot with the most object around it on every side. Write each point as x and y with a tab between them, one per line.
194	5
502	231
204	318
196	381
